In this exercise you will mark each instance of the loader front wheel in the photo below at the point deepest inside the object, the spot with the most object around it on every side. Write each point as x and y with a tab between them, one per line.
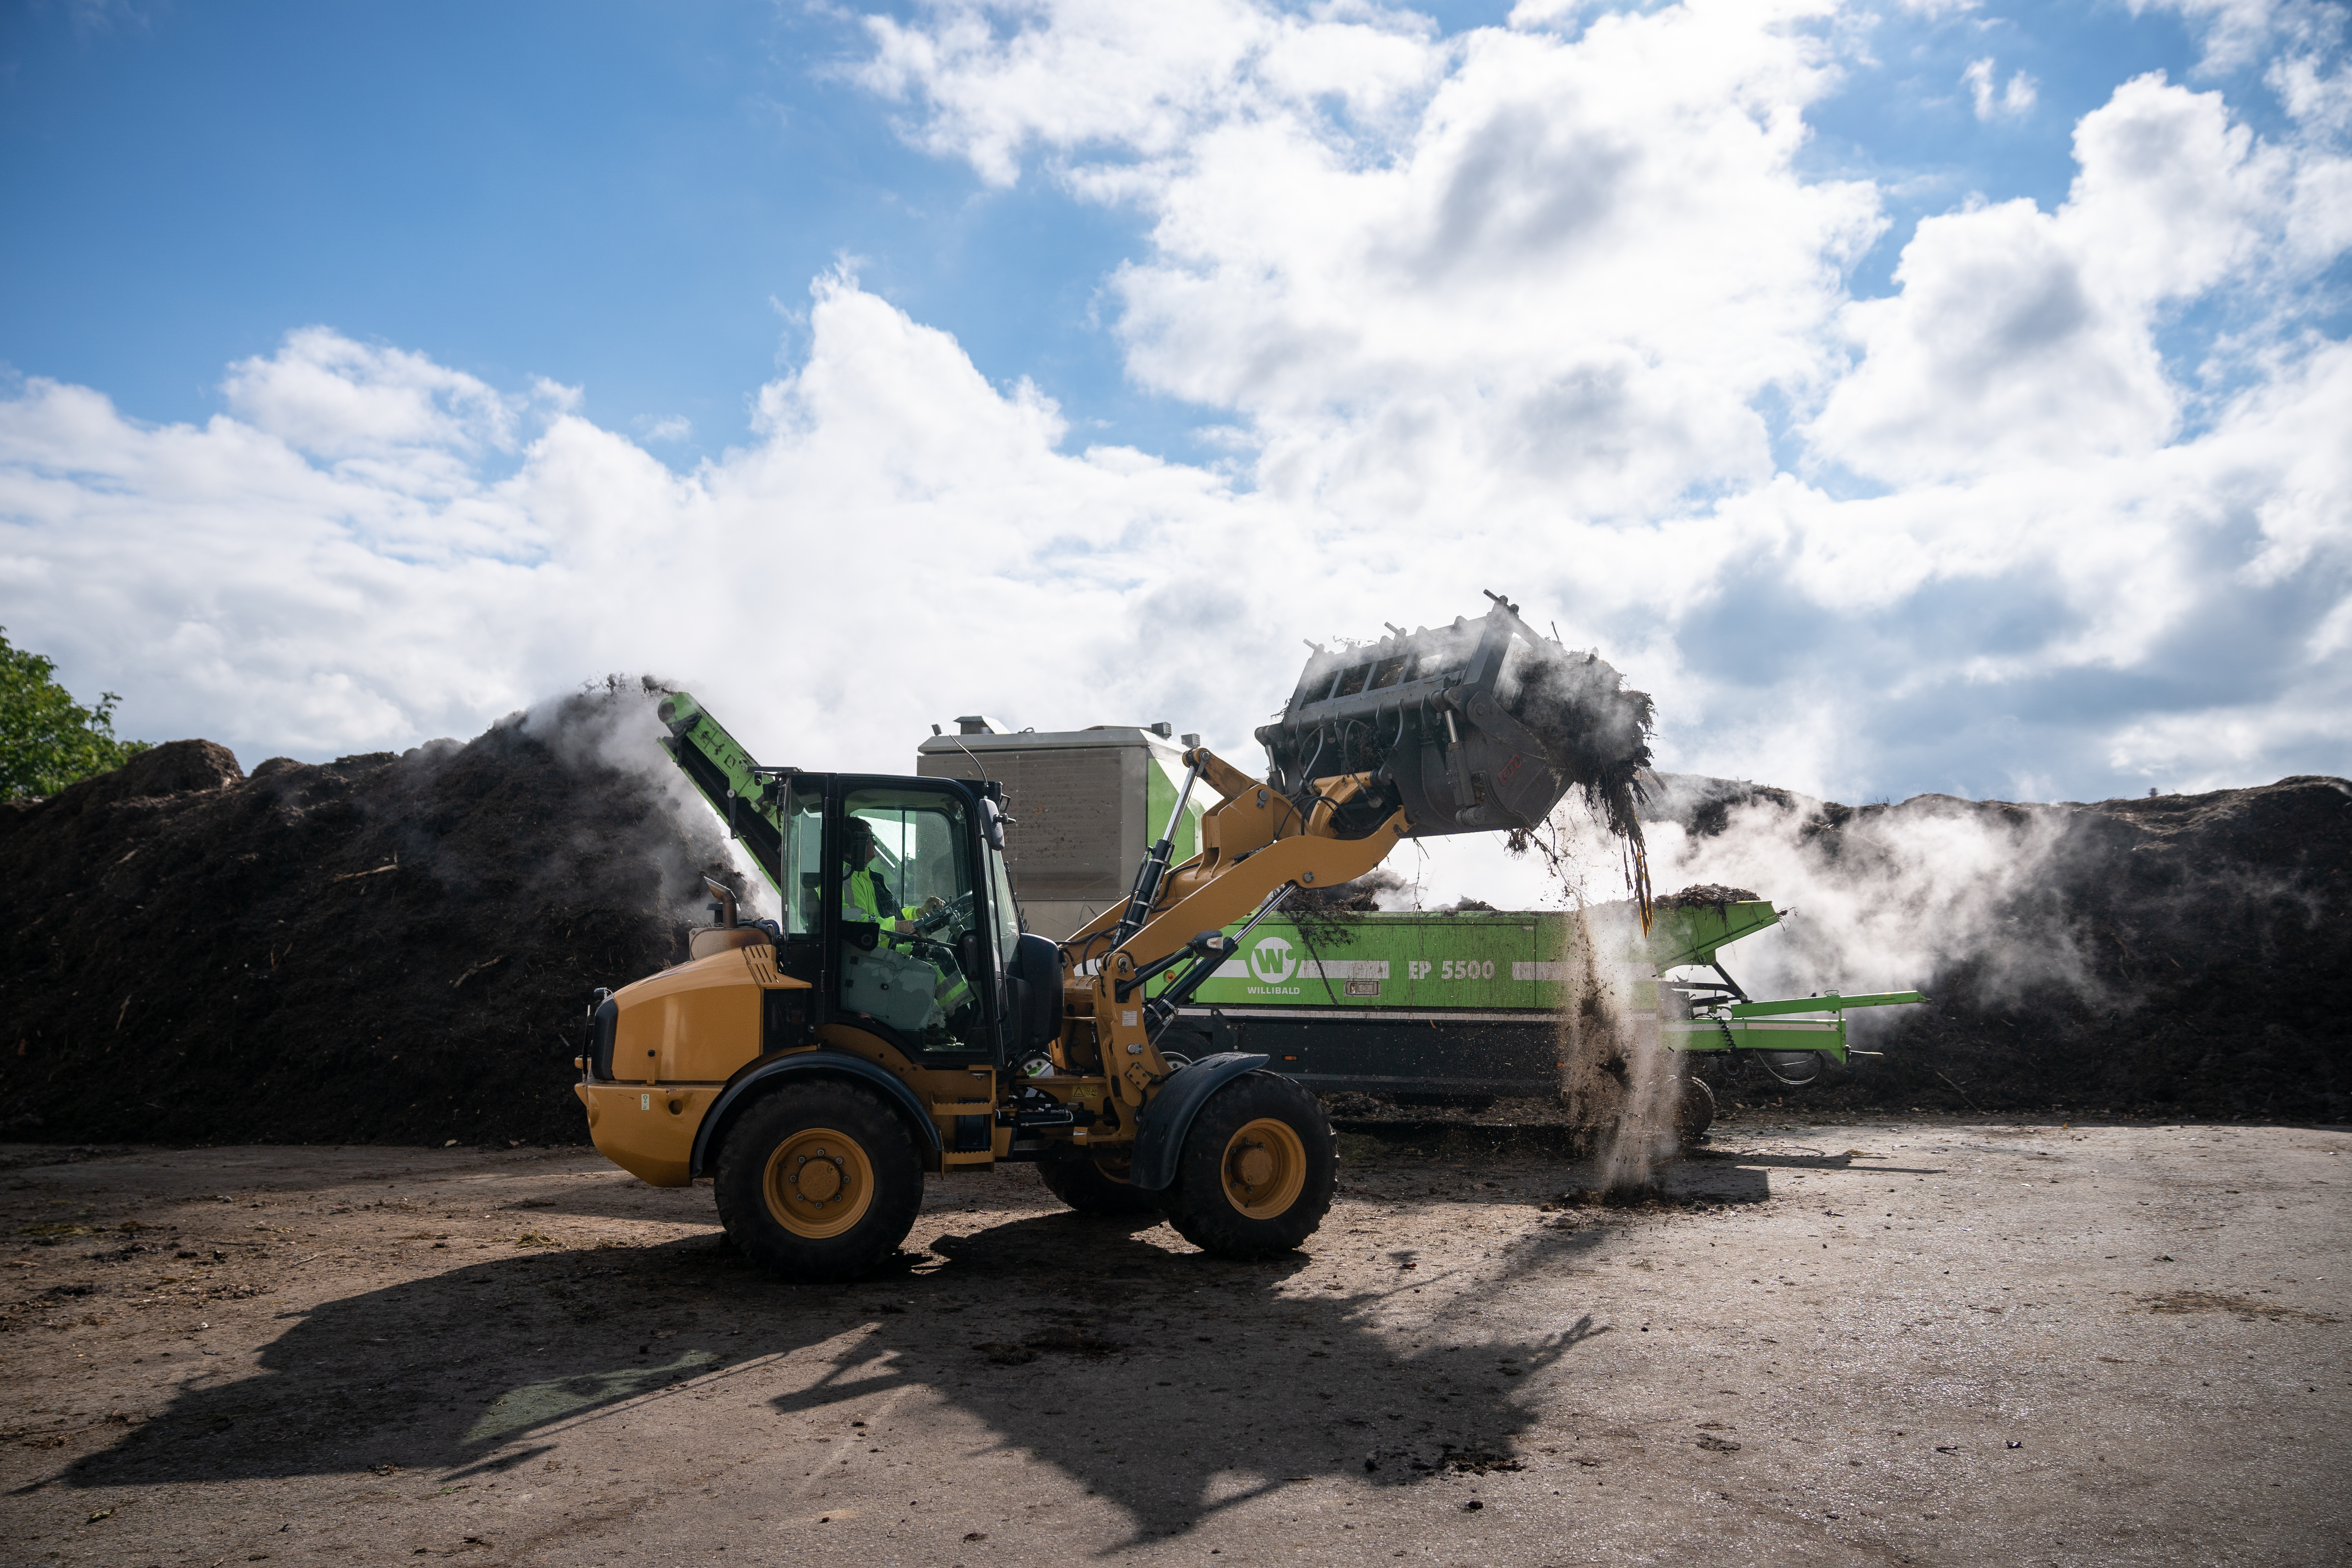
1088	1186
1256	1171
818	1182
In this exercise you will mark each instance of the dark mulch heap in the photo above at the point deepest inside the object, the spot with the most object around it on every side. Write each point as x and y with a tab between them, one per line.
382	948
2214	934
399	949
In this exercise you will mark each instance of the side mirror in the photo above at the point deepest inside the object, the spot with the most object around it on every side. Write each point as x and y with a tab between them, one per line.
1036	963
992	824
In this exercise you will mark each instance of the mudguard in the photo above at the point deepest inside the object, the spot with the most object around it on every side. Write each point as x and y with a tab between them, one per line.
1160	1130
839	1064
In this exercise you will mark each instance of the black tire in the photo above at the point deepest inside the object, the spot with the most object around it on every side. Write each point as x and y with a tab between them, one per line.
1083	1183
1264	1135
1694	1111
772	1198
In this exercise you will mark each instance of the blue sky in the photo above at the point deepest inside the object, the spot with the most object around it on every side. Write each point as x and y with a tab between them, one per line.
618	196
1760	346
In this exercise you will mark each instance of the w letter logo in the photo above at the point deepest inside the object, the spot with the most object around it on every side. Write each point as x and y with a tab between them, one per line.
1271	961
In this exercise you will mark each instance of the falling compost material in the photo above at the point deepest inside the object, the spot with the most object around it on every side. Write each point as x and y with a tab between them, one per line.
1618	1083
1594	729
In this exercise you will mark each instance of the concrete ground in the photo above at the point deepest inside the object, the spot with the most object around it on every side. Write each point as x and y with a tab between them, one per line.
1865	1343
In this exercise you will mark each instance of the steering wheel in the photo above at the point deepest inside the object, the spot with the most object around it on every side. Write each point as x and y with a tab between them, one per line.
953	910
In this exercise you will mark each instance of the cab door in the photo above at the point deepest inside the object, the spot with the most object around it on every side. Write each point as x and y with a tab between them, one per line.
906	918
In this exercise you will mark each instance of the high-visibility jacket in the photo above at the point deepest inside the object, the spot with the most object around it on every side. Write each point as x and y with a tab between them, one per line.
865	898
865	892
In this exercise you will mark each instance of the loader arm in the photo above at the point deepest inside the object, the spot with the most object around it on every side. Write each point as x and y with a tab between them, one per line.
1254	842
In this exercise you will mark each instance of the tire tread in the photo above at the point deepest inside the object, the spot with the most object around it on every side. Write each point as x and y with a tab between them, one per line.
742	1162
1195	1202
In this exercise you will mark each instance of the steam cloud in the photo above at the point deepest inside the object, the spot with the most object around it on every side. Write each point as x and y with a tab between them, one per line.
610	725
1883	897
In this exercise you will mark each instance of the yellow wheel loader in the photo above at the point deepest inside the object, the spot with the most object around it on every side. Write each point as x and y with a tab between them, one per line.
897	1021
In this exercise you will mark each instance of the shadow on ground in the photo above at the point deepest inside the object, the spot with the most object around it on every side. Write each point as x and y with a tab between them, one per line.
1699	1161
1173	1384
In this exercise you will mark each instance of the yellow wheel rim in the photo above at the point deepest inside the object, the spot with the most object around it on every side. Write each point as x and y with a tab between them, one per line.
1264	1168
819	1183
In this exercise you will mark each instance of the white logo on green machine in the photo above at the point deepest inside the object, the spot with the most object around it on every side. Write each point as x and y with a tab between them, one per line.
1271	960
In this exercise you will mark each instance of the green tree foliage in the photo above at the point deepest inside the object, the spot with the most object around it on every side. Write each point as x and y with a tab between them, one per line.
46	739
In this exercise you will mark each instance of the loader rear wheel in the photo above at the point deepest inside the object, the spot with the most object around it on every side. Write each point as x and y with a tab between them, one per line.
1256	1171
818	1182
1088	1186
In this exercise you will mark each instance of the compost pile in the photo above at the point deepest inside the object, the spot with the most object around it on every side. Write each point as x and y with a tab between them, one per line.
382	948
1706	893
400	949
2203	935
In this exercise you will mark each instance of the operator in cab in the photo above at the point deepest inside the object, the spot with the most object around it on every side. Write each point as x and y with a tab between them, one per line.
866	899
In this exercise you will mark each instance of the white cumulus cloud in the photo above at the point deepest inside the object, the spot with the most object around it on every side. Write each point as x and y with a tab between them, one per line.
2021	336
1559	309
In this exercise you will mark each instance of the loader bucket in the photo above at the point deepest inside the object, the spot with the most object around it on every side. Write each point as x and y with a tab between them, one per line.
1475	727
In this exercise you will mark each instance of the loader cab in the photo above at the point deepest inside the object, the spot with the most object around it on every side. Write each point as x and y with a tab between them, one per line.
897	908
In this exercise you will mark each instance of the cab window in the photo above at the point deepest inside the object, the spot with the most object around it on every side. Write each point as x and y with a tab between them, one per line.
911	948
803	861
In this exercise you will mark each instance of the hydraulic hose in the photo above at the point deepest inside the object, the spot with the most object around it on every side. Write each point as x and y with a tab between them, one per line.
1154	870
